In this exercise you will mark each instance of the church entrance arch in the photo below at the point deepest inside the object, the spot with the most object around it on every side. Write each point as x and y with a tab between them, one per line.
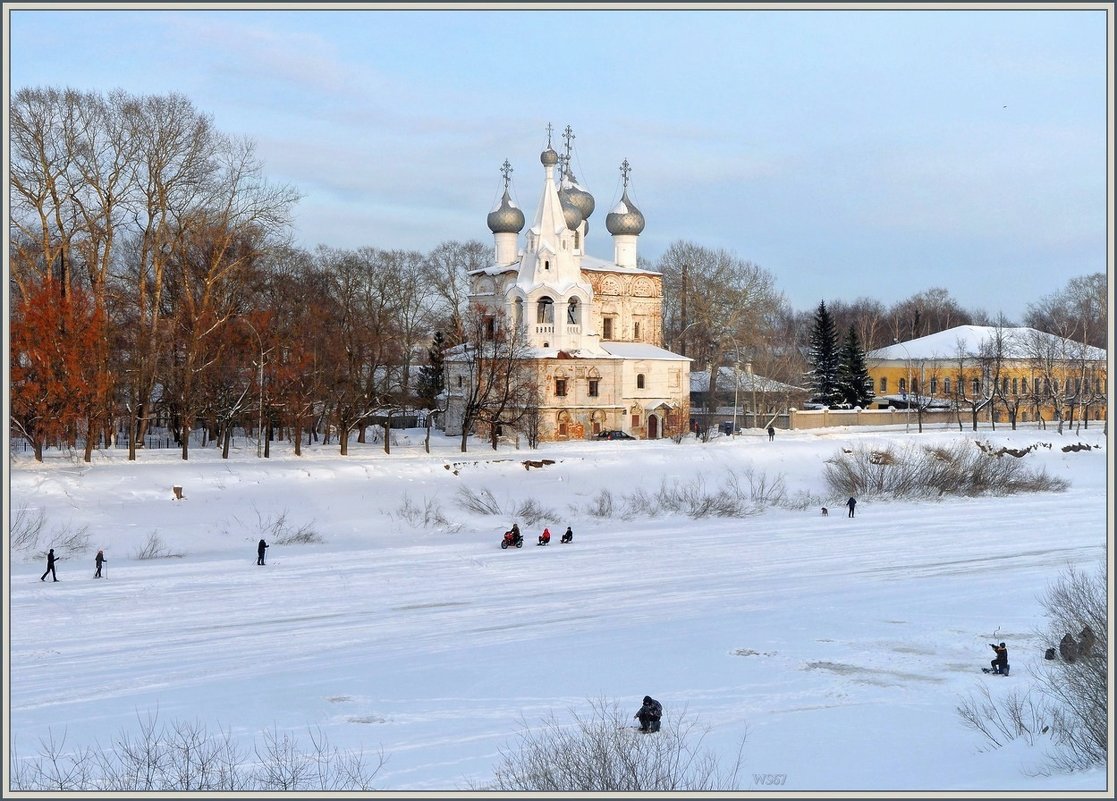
653	427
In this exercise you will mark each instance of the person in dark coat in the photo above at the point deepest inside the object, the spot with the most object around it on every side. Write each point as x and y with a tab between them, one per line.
568	535
1000	662
649	714
100	560
260	552
50	566
771	433
851	503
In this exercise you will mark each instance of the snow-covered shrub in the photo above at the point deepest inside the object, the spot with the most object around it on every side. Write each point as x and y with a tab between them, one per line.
603	751
962	468
426	515
155	548
186	757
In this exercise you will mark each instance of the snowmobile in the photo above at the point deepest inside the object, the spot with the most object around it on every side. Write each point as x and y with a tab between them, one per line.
512	538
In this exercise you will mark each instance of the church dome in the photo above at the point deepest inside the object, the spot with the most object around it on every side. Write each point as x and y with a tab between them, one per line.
625	218
571	213
549	158
506	218
576	196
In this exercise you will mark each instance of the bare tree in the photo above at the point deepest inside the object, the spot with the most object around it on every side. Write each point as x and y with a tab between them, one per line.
1080	311
927	312
445	274
1002	347
497	382
718	309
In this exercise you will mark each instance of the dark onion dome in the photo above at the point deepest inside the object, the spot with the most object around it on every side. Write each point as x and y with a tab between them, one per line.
506	218
572	214
576	196
625	218
548	158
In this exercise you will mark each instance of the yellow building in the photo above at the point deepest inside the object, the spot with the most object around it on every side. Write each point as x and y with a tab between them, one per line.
994	374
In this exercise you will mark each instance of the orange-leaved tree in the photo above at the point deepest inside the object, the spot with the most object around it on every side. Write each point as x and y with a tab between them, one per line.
53	375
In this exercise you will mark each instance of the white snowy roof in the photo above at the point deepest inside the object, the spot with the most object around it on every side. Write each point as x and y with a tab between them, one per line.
700	382
968	340
640	350
588	263
594	263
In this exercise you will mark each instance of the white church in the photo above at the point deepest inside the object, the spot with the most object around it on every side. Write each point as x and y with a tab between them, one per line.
594	326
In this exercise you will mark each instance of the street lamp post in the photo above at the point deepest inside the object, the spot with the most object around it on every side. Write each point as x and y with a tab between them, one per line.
907	389
260	387
736	381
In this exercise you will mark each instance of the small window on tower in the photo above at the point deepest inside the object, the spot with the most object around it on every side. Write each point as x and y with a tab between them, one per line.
636	331
546	264
640	381
560	387
607	328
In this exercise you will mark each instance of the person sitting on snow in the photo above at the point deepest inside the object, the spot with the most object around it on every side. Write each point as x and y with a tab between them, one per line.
1000	662
545	537
568	536
649	714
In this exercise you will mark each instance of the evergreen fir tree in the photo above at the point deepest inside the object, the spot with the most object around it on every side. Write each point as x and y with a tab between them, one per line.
823	359
853	375
431	375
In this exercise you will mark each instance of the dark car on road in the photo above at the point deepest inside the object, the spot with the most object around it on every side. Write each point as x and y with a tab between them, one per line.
614	435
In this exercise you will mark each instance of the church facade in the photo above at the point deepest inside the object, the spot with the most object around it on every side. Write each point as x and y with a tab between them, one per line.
594	327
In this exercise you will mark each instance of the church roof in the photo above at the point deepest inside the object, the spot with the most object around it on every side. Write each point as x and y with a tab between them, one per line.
641	350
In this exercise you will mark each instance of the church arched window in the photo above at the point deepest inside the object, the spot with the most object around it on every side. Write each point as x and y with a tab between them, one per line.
546	313
572	316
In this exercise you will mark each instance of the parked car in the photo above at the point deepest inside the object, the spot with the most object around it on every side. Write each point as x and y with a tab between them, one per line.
614	435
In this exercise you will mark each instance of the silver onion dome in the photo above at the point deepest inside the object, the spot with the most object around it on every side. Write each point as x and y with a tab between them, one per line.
549	158
506	218
572	214
576	196
625	218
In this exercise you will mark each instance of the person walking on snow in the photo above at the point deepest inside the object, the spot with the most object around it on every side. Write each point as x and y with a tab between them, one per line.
260	552
771	433
50	566
852	502
100	560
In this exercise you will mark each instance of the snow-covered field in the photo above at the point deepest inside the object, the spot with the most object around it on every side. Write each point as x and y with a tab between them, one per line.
841	646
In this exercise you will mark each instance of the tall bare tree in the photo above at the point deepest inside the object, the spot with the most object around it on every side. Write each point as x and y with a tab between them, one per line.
498	384
446	275
1079	311
718	308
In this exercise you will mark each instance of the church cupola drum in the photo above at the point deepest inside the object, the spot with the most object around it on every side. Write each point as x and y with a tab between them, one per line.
506	221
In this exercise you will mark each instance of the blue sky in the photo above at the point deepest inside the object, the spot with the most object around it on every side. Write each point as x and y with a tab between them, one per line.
851	153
